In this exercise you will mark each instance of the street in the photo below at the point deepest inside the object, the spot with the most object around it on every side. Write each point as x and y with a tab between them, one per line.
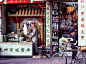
24	61
28	61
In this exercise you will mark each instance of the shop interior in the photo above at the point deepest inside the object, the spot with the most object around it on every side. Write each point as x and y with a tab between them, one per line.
20	18
64	18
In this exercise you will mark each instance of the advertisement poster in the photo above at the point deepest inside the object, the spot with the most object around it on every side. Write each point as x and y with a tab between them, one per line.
81	22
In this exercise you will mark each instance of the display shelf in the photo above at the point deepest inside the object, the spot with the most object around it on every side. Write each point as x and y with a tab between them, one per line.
55	14
55	8
55	27
55	30
54	38
55	48
54	22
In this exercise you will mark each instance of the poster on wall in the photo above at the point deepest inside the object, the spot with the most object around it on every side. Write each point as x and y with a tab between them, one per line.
81	22
47	24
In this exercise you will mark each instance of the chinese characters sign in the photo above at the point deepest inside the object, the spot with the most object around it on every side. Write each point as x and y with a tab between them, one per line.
47	23
82	22
16	49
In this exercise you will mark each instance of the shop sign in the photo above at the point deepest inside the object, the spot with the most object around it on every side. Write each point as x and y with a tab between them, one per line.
42	31
16	49
19	1
82	22
47	23
14	1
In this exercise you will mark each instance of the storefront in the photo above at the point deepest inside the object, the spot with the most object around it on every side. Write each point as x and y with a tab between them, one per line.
61	16
53	19
64	18
16	22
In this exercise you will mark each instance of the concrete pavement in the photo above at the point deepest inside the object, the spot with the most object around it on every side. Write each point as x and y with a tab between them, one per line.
24	61
28	61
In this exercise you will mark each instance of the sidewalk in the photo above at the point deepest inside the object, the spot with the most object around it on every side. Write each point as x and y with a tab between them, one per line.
24	61
35	60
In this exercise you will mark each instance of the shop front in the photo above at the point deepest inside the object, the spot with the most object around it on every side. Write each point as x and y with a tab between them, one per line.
63	17
53	19
18	19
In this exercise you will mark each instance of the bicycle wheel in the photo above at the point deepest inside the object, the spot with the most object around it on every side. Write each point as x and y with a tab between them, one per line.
84	62
81	58
58	58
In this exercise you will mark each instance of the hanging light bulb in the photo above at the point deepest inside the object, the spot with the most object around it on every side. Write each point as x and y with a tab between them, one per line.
64	19
11	1
20	0
16	1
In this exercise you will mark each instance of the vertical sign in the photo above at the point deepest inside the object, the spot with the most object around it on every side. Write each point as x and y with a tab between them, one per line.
82	22
42	37
47	23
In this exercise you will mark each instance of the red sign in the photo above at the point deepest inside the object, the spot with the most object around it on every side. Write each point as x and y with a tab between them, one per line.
82	13
82	1
82	37
82	25
83	31
1	1
17	1
82	7
82	19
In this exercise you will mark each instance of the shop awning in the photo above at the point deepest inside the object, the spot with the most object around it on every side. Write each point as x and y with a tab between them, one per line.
22	12
25	12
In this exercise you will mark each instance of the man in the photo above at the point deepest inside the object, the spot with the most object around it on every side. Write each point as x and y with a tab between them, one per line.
74	42
75	29
34	36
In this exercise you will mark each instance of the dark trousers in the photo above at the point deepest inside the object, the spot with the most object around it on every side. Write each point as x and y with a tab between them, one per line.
74	52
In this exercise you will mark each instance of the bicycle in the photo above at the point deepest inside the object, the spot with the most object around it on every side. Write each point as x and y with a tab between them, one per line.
64	58
79	59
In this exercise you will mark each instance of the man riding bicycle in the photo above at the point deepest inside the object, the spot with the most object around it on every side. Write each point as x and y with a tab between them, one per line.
74	42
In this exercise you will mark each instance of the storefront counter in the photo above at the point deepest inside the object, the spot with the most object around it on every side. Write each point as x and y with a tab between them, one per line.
16	49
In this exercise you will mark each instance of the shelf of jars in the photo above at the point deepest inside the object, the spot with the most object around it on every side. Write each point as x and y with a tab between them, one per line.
55	27
55	48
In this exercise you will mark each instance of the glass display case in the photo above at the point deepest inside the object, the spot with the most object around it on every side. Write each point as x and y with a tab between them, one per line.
13	37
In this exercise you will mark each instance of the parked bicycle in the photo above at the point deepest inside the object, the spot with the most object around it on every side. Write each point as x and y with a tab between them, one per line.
63	58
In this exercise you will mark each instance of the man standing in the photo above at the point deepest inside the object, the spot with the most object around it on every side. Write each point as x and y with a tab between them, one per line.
34	36
74	42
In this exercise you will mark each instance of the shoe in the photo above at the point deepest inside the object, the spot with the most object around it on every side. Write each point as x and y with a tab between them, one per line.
73	61
36	53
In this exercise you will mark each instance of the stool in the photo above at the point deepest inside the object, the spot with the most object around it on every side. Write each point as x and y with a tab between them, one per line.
43	51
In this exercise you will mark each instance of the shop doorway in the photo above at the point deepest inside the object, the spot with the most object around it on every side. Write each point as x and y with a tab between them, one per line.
25	26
